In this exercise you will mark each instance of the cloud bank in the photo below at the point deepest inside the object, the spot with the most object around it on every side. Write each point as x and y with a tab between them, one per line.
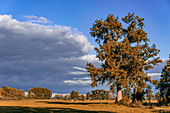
32	54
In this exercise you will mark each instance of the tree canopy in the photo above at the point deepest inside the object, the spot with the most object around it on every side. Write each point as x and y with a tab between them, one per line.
124	51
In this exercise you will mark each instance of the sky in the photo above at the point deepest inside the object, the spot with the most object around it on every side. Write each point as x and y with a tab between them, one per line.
47	43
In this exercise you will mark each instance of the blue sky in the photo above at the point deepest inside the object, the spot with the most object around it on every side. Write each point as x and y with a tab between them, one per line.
54	56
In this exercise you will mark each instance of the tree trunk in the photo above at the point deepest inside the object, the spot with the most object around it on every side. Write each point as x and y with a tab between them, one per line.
119	93
134	95
150	102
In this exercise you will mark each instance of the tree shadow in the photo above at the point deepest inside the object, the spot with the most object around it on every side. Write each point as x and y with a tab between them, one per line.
68	103
18	109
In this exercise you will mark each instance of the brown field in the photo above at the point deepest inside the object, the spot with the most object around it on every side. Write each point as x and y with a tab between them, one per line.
61	106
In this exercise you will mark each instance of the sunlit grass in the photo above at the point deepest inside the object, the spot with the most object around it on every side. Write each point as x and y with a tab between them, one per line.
52	106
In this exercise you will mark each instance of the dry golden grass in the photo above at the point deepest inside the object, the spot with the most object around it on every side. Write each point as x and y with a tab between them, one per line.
61	106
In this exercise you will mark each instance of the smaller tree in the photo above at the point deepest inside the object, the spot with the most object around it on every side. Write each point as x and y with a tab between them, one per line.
39	93
164	84
149	96
157	96
21	94
99	94
93	95
74	95
107	95
88	95
12	93
67	97
82	97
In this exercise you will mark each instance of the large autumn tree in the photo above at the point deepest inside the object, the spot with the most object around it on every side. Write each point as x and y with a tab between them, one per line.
164	84
124	52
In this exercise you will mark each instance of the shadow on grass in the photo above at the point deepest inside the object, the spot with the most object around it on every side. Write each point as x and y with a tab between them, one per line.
68	103
17	109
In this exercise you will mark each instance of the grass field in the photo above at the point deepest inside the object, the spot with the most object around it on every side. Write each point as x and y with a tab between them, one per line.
61	106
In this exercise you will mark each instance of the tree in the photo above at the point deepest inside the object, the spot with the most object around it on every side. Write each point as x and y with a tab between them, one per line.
88	95
93	95
21	94
126	93
12	93
139	96
74	95
99	94
157	96
164	84
124	53
107	95
81	97
39	93
66	97
149	95
3	94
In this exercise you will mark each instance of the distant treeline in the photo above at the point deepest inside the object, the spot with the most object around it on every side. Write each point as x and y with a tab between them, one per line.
93	95
33	93
8	93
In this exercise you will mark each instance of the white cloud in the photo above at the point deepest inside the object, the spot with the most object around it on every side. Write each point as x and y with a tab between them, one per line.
164	60
30	16
154	74
35	19
79	68
78	73
85	78
77	82
90	58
